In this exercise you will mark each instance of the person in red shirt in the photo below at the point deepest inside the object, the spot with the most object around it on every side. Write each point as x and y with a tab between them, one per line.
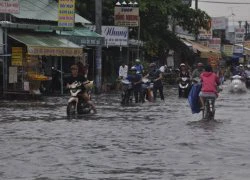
209	81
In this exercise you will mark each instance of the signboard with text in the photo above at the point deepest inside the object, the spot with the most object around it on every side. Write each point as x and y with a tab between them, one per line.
127	16
114	35
66	13
219	23
239	35
9	6
228	49
17	56
215	43
49	51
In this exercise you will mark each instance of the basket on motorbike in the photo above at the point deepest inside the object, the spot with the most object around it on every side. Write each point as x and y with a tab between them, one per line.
88	85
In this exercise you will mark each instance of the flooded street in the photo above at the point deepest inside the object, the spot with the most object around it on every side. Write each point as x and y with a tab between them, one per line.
161	141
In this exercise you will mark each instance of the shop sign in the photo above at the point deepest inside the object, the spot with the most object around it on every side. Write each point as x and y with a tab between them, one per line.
228	50
127	16
66	13
17	56
47	51
238	49
205	34
215	43
114	35
12	74
219	23
9	6
239	35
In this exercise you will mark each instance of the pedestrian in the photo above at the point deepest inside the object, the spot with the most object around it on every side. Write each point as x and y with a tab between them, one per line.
123	71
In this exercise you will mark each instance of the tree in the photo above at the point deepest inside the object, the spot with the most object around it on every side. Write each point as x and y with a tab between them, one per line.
155	16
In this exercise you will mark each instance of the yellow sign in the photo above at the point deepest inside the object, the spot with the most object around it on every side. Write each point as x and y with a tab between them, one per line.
228	50
17	56
66	13
48	51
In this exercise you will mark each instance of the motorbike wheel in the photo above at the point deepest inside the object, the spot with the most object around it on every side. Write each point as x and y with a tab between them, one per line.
71	109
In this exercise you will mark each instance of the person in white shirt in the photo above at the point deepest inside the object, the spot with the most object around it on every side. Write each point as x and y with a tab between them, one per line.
123	71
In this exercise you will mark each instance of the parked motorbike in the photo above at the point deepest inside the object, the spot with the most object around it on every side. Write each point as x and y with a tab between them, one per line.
76	104
126	92
184	87
209	108
147	89
237	84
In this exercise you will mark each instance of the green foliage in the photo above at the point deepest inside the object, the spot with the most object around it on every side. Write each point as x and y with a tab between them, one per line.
155	18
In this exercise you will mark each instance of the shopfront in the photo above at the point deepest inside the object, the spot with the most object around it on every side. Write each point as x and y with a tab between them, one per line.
33	56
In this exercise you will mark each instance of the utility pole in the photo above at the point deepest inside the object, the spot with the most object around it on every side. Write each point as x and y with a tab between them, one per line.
196	8
196	4
98	66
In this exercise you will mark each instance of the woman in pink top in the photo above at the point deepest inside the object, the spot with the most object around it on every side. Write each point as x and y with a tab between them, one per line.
209	81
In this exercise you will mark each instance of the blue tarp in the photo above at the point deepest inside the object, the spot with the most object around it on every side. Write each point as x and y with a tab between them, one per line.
193	98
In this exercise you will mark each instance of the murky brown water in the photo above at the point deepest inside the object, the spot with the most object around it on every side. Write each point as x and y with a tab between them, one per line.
161	141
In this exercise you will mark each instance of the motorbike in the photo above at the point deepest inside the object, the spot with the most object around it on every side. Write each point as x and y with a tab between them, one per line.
147	89
237	84
209	108
184	87
248	80
76	104
126	92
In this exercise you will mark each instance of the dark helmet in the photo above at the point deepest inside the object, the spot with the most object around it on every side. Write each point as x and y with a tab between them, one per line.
208	68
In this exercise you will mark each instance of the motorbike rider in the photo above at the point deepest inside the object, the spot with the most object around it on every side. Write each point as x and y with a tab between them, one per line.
75	76
209	81
156	76
139	66
135	78
184	71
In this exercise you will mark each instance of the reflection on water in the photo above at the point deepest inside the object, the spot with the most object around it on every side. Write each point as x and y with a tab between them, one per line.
160	140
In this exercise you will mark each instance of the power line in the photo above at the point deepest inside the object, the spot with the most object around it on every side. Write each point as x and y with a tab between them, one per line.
222	2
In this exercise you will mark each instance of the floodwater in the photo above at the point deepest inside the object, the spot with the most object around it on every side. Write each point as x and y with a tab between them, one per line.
153	141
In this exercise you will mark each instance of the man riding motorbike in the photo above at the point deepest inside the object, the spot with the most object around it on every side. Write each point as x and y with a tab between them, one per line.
135	79
155	75
209	81
80	78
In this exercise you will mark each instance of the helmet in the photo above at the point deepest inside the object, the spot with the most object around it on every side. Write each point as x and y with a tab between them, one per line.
182	64
152	65
133	68
137	60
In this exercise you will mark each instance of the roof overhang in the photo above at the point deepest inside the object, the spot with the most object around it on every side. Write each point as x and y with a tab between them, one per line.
47	45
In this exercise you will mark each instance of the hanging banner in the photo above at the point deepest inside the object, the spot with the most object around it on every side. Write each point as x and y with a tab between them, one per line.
66	13
9	6
17	56
127	16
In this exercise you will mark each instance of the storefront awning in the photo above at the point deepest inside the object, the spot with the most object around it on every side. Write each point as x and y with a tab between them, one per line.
83	37
205	52
47	45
